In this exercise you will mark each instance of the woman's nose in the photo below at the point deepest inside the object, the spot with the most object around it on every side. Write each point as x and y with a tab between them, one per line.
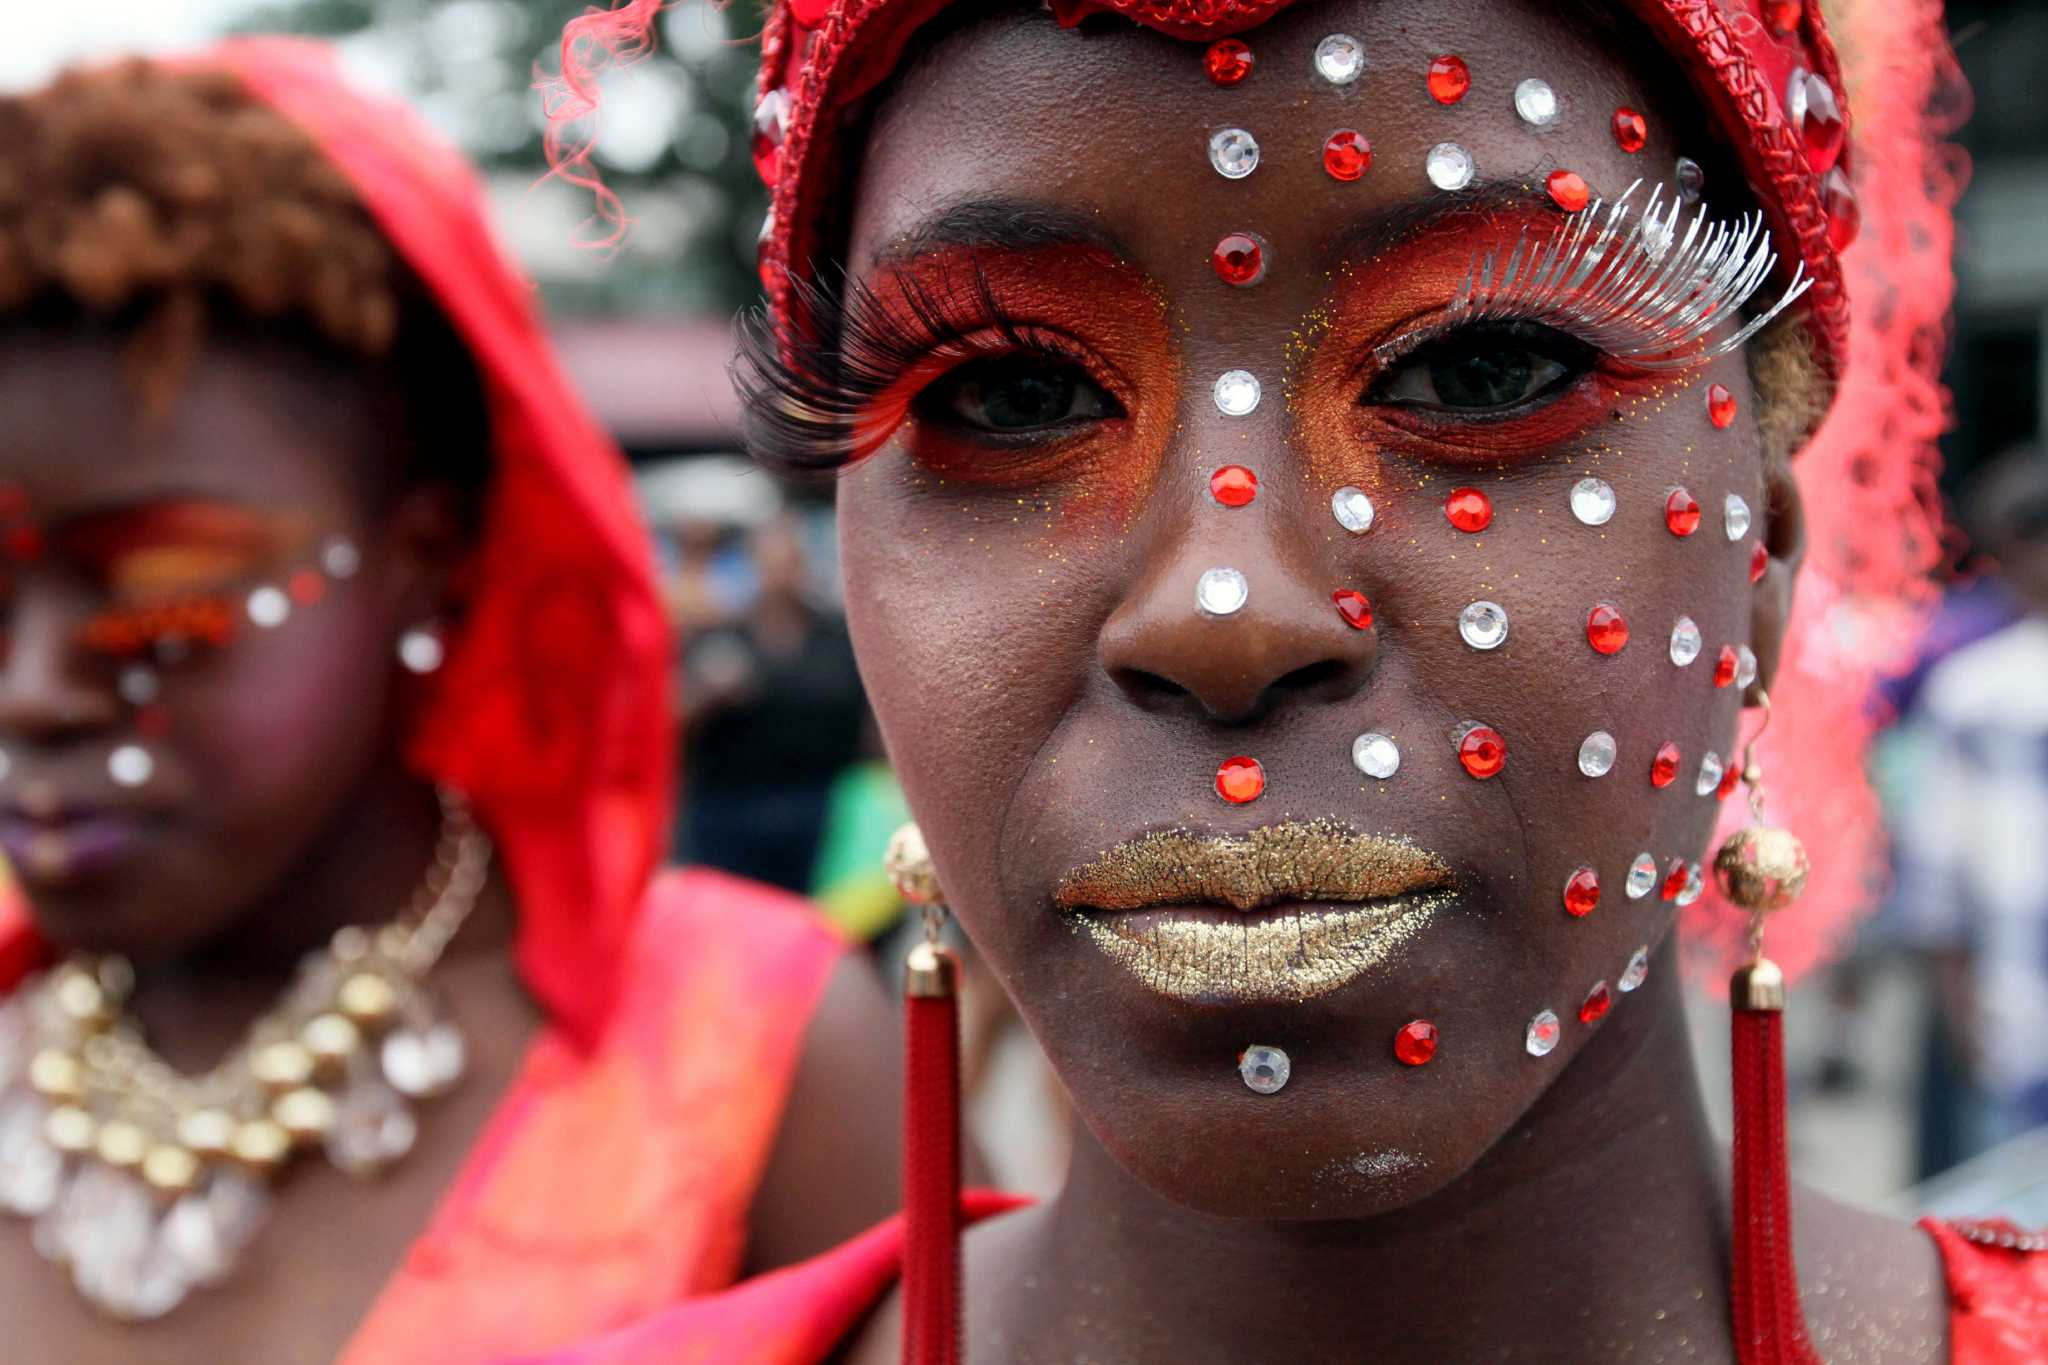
47	689
1236	635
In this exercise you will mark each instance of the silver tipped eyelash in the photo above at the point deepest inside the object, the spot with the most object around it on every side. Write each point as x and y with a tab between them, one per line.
1656	294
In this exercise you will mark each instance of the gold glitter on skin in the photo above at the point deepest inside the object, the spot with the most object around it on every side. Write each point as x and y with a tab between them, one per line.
1288	956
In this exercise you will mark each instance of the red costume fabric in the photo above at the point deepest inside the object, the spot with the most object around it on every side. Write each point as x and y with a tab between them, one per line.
677	1006
1998	1306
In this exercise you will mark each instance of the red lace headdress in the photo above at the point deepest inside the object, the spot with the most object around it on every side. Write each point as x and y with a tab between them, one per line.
1867	218
551	710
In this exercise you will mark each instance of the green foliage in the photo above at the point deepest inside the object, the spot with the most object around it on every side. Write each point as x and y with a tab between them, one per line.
675	141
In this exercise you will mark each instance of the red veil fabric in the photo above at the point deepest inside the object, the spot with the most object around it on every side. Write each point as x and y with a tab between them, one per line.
552	710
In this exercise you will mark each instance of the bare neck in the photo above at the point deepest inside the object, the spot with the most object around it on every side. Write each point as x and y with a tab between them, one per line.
362	869
1593	1229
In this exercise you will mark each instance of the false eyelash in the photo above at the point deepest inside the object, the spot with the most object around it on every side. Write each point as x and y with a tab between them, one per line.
811	400
126	631
1632	287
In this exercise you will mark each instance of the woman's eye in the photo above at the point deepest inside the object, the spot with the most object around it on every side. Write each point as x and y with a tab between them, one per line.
1015	395
1483	369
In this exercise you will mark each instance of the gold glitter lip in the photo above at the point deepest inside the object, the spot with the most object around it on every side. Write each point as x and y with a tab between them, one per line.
1340	904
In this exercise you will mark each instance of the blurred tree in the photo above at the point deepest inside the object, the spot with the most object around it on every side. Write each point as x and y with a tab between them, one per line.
674	140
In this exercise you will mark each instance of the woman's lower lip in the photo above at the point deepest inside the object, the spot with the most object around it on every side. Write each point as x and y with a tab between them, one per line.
56	854
1294	951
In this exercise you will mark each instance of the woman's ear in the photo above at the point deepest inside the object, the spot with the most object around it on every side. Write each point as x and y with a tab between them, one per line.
1784	541
425	539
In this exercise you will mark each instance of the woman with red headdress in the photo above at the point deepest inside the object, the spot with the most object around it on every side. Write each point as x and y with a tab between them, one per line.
1321	488
334	766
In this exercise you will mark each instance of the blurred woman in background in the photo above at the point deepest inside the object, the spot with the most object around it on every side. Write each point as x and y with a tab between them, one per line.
335	769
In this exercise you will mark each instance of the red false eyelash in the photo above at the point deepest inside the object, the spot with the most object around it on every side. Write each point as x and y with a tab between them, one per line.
125	632
823	400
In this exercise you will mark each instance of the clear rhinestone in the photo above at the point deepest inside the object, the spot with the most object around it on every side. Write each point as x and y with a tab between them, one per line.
1633	974
1685	642
1596	754
31	1170
425	1062
1692	181
372	1128
421	650
1340	59
1745	665
1695	882
1219	592
1710	774
1237	392
268	607
1642	877
1353	509
138	685
1536	102
1449	166
1593	501
130	765
1542	1035
1483	625
1265	1069
1376	755
1735	516
1233	152
340	557
109	1231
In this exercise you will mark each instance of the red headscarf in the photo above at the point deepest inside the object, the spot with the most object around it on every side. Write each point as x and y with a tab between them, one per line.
551	711
1872	515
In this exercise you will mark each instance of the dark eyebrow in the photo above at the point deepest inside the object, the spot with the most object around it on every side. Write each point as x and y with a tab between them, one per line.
1374	232
1000	224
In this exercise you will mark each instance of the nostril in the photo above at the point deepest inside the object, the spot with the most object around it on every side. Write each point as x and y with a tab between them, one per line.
1149	689
1310	677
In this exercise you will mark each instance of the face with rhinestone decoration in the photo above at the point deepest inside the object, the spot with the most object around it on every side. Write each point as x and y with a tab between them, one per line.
1233	469
203	654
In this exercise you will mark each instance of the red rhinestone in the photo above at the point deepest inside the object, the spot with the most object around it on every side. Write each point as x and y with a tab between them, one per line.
1483	751
307	587
1631	132
1449	79
1759	560
13	502
1233	485
1596	1004
152	722
1415	1042
1782	16
1821	127
1568	190
1228	61
1240	780
1845	219
1724	666
1346	154
1582	891
1469	510
1674	880
1606	628
1239	260
1664	767
1730	775
1353	607
1681	512
1720	406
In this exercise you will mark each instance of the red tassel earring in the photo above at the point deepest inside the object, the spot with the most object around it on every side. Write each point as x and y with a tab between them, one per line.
931	1118
1762	869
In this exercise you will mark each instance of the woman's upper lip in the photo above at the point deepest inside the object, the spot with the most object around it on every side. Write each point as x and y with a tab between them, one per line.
1317	860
